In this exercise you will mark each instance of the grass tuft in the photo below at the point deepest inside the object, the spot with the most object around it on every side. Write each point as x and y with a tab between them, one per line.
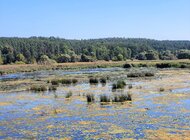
93	81
105	98
90	98
38	88
119	85
69	94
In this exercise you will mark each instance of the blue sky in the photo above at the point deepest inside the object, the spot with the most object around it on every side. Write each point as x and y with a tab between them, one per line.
83	19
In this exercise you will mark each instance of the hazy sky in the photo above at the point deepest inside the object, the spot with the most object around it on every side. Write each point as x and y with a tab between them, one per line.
83	19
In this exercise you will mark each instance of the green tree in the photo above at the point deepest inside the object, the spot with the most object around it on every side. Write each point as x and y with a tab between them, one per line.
63	58
141	56
20	57
152	55
8	56
183	54
120	57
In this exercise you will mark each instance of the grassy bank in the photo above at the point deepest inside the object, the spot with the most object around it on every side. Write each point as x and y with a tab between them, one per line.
5	69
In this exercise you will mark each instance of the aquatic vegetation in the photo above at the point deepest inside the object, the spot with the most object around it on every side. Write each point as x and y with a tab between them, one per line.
90	98
38	88
93	81
105	98
119	85
69	94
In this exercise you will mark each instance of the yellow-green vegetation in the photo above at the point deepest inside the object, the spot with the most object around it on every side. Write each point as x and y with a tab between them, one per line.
119	85
38	88
5	69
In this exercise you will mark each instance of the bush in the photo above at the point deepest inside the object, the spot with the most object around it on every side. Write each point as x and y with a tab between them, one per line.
140	74
90	98
149	74
162	89
105	98
122	97
127	66
74	81
93	81
103	80
52	88
163	65
119	85
69	94
66	81
38	88
55	82
130	86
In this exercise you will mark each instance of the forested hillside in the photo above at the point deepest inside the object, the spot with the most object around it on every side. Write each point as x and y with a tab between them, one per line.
40	49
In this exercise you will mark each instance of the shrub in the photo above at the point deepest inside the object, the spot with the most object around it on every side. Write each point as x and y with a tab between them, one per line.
130	86
66	81
127	66
104	98
90	98
69	94
119	85
184	66
162	89
93	81
149	74
55	82
74	81
142	65
103	80
163	65
38	88
140	74
52	88
122	97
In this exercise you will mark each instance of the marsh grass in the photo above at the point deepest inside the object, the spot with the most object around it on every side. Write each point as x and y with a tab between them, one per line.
63	81
119	85
38	88
55	82
161	89
105	98
103	80
130	86
136	74
66	81
74	81
52	88
69	94
93	81
90	98
122	97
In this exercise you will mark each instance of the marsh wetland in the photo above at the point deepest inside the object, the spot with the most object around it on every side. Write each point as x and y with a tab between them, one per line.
86	104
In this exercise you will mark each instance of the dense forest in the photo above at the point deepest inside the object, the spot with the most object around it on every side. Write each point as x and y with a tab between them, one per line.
52	50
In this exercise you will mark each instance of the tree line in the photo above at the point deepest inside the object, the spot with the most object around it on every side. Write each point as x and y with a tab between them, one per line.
52	50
